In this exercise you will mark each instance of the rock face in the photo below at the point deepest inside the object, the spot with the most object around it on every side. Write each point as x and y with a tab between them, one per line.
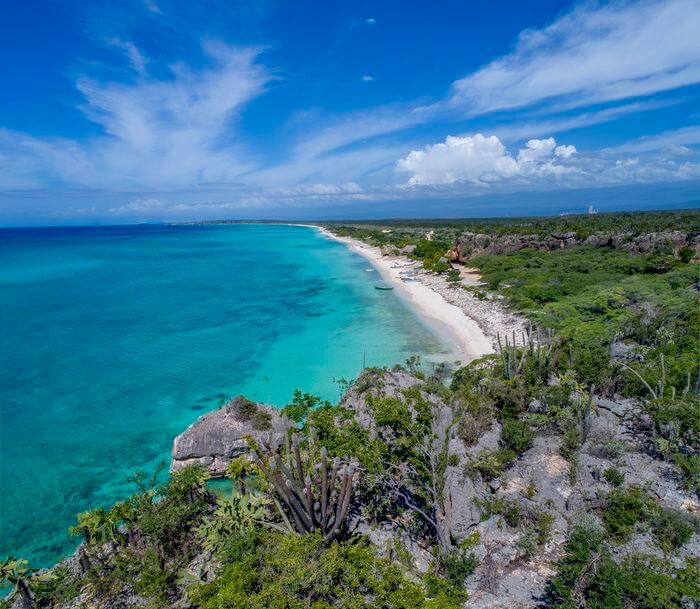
216	438
471	245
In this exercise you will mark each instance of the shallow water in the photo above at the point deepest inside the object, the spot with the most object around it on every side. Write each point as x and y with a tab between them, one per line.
114	339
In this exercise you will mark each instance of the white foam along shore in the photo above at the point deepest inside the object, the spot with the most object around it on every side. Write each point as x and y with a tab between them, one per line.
460	331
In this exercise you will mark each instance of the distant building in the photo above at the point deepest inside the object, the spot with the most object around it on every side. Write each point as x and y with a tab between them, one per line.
592	210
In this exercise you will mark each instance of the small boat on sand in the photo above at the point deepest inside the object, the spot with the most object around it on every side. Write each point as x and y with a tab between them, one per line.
383	286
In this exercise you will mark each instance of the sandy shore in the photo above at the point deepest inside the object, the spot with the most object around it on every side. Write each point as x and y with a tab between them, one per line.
467	323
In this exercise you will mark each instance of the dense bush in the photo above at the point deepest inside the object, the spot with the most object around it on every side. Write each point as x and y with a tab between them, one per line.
297	572
516	435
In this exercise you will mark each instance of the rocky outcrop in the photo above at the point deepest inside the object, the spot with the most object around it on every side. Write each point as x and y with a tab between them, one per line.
219	436
470	245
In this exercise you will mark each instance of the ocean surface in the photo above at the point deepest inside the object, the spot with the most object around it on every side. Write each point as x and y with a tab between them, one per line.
114	339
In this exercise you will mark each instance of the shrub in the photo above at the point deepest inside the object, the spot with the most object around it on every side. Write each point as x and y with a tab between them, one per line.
259	418
626	507
301	404
690	469
473	424
614	476
516	435
608	447
457	566
642	582
527	543
297	571
584	541
672	528
686	254
57	586
490	464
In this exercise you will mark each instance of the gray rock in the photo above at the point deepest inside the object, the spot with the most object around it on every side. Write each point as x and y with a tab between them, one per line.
470	245
216	438
463	492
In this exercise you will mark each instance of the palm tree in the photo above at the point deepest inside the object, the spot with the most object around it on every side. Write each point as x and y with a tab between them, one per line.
238	470
94	525
15	572
97	526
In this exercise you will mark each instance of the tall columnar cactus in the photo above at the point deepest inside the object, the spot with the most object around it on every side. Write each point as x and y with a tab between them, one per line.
309	496
513	357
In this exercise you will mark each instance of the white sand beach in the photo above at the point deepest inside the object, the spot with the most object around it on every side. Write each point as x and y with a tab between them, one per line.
468	324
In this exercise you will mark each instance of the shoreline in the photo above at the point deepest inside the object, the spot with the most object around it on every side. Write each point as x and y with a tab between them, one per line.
451	322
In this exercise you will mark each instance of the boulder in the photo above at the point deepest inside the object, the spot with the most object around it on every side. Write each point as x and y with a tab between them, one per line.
217	437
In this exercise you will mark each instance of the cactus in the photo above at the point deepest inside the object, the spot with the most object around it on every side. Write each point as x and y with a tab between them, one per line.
513	358
658	393
309	504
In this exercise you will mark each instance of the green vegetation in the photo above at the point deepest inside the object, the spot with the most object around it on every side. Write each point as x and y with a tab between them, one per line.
632	223
249	411
604	323
614	476
589	577
291	571
630	508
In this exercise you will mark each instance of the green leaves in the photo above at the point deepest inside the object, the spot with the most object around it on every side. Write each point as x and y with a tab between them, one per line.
14	572
234	516
297	572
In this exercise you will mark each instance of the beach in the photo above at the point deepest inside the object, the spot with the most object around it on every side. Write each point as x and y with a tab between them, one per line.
468	324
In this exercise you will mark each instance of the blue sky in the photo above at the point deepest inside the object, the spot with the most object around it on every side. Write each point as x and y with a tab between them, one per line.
150	110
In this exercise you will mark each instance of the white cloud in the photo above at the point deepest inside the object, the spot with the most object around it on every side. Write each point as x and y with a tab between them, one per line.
565	151
371	21
536	150
597	52
367	78
481	161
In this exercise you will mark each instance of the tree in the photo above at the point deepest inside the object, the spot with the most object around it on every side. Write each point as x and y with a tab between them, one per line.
238	470
418	483
15	572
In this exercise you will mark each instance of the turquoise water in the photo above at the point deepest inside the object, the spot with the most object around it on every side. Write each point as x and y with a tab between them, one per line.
114	339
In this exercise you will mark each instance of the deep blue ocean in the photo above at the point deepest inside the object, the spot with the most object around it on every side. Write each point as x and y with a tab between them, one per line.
114	339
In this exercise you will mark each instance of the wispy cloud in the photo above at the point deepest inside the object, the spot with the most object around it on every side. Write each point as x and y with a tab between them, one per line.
164	132
136	59
595	53
670	140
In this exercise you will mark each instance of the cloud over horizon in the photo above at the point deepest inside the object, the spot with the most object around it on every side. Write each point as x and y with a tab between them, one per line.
208	125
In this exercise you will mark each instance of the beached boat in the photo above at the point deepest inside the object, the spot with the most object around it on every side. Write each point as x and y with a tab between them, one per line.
383	286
